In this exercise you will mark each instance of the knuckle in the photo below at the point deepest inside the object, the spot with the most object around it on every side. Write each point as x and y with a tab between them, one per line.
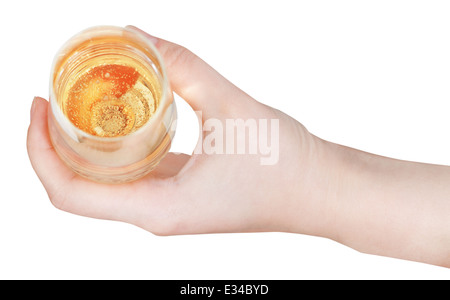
166	226
180	56
159	227
56	200
168	218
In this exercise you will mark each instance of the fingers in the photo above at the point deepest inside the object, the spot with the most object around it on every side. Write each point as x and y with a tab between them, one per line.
50	169
193	79
132	202
56	177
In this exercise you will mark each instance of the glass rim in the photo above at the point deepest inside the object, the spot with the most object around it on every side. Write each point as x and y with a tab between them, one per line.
56	109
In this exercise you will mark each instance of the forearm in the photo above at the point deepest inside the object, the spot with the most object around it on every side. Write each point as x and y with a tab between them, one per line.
391	207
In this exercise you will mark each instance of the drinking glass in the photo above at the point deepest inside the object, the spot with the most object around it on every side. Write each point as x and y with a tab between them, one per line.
112	115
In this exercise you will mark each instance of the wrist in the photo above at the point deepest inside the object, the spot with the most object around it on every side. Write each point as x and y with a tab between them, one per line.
371	203
310	207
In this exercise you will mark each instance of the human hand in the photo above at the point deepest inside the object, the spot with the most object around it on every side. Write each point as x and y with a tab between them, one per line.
371	203
202	192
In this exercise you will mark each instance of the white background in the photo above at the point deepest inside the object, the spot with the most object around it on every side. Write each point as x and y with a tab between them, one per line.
373	75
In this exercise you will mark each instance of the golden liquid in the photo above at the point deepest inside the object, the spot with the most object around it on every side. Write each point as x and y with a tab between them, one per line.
110	98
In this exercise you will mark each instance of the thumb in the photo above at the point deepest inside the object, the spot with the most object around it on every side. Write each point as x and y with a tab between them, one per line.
193	79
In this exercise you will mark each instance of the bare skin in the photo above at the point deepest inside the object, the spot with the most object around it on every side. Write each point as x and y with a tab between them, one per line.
374	204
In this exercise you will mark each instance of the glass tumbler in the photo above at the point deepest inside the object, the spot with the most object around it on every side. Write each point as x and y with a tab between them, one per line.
112	115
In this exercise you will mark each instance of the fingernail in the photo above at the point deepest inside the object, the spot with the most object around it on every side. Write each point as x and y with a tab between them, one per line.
152	39
33	108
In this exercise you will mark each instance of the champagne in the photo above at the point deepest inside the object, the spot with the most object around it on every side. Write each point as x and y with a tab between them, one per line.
110	100
112	111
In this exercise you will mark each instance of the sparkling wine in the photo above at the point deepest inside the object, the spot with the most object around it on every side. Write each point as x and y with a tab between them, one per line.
112	116
110	100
